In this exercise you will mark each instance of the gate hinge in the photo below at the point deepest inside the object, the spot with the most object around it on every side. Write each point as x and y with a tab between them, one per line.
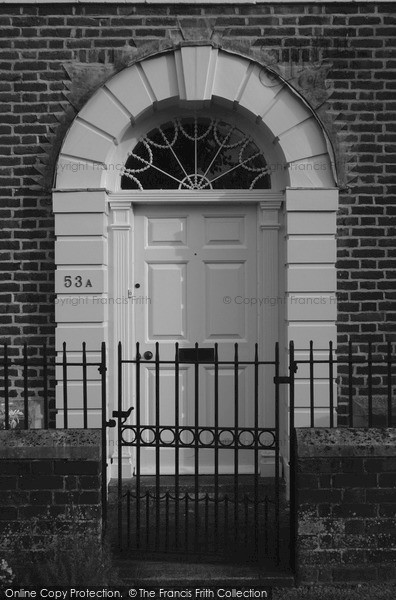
284	379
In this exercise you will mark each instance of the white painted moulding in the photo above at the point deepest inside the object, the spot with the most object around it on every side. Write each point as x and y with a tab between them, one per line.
224	86
76	201
321	333
161	76
132	90
73	251
81	308
79	173
81	224
106	113
311	307
127	197
286	112
75	334
302	141
303	223
315	172
87	142
256	92
311	200
202	63
311	249
311	278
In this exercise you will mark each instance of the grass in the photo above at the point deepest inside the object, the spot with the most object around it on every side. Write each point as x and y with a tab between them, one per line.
366	591
81	560
65	552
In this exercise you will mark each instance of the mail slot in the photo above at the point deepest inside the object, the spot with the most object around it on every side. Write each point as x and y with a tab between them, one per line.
192	355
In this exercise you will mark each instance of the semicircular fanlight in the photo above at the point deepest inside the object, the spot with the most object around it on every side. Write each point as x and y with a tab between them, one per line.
195	153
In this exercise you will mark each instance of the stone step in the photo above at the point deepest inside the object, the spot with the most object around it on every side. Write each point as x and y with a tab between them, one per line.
167	574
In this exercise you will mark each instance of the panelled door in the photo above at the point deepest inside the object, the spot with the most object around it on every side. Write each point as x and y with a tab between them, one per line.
194	266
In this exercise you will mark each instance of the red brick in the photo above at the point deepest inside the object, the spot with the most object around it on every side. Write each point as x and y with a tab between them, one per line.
359	76
40	483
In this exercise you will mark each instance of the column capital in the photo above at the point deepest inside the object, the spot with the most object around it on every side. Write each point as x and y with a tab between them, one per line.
269	218
120	215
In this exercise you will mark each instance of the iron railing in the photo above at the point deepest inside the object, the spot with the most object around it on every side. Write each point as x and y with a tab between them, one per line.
358	379
358	388
27	378
141	511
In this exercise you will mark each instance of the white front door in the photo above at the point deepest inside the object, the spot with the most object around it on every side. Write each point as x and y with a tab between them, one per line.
193	268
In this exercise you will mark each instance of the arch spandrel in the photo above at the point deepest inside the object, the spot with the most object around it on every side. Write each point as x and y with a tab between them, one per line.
193	75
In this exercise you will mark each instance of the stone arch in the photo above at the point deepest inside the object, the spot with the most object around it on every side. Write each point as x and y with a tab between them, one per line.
194	76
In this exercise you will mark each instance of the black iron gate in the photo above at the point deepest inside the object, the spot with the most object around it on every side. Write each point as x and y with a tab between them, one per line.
228	516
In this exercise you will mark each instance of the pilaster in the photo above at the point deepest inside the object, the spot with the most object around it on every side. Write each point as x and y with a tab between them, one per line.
270	308
81	308
120	227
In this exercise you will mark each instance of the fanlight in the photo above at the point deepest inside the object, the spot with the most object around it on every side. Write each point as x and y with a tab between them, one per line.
195	153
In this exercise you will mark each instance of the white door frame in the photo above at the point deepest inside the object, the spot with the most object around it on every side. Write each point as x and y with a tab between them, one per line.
121	214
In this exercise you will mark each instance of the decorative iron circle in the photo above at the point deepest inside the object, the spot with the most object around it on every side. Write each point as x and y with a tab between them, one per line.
128	435
225	442
202	432
245	433
186	436
163	431
267	439
147	436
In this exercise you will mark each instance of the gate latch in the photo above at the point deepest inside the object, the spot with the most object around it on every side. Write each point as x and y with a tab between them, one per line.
282	379
123	414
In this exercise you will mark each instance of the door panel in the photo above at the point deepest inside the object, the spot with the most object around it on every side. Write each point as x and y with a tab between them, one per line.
224	280
221	231
166	317
187	259
166	231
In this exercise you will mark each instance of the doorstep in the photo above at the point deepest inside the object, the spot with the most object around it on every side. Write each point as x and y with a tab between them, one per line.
156	573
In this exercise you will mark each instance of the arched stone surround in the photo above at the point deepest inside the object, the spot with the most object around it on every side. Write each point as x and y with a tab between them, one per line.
94	218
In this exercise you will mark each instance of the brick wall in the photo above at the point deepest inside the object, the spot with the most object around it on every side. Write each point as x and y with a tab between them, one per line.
48	480
346	503
53	56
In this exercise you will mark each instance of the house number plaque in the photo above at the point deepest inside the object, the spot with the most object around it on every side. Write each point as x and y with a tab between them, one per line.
75	280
